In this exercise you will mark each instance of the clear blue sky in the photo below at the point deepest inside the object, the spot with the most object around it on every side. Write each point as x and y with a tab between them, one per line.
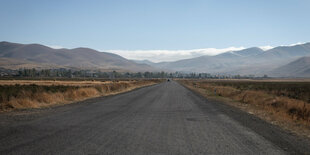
155	24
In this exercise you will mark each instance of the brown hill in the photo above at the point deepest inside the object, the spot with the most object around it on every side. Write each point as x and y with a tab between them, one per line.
297	68
34	55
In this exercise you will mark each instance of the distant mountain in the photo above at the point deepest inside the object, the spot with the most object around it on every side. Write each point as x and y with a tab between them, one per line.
254	61
40	56
147	62
288	51
249	52
212	64
279	61
297	68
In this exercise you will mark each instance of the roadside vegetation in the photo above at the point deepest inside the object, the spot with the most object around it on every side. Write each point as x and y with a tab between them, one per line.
21	94
63	73
283	100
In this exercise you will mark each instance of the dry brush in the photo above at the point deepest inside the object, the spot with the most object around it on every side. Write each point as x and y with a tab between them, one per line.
284	99
35	94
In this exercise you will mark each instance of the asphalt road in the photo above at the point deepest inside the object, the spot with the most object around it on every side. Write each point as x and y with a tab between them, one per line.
161	119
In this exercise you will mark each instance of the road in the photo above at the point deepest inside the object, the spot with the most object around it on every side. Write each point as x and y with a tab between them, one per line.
166	118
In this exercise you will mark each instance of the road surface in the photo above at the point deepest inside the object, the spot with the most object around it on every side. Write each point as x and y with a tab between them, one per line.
161	119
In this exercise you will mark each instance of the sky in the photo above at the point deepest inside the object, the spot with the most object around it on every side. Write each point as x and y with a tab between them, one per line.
158	30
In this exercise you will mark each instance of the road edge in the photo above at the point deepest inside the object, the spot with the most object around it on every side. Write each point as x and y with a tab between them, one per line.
284	139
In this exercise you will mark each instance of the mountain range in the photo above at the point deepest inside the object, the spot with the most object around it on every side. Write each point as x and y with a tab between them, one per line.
282	61
250	61
15	56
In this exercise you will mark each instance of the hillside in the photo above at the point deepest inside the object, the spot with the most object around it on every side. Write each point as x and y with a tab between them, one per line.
40	56
297	68
253	61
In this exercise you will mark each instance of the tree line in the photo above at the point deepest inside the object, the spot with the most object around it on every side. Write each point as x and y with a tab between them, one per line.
68	73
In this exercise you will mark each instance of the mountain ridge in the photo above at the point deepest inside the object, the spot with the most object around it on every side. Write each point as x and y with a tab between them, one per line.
250	61
83	58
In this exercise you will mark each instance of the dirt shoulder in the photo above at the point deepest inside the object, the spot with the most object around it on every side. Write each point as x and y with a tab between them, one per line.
271	115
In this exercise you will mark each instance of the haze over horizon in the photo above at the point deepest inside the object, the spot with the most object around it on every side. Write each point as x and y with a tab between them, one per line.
175	55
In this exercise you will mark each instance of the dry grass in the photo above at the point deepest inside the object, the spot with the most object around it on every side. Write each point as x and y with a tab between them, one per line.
56	82
35	94
281	108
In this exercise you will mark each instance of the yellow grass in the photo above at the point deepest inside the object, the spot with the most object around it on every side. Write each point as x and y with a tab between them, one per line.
281	106
55	82
76	91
